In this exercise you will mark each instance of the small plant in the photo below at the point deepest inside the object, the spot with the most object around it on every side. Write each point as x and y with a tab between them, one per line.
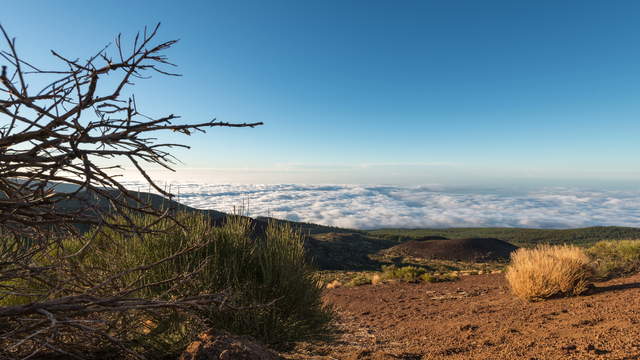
547	271
616	257
449	277
376	279
412	274
409	274
430	278
360	279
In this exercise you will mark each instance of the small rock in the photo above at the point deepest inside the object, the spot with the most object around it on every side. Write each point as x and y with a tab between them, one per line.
597	351
469	327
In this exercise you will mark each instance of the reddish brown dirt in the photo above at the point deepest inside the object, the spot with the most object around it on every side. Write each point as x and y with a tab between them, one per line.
474	249
477	318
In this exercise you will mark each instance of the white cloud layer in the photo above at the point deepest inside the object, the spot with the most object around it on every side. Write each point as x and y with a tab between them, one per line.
368	207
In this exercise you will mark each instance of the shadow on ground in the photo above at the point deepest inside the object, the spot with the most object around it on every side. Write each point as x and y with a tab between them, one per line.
615	287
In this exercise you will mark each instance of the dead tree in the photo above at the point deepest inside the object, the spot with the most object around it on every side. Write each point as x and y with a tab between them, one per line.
74	128
78	128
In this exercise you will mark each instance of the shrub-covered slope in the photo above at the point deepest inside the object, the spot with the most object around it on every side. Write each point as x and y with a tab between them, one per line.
517	236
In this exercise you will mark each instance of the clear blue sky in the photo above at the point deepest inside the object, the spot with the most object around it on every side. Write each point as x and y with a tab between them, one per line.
381	91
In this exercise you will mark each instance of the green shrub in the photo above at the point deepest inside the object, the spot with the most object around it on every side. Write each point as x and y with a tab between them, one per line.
409	274
616	257
449	277
360	279
277	272
432	278
414	274
267	280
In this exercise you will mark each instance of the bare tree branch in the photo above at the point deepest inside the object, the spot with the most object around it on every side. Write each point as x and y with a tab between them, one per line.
68	130
78	129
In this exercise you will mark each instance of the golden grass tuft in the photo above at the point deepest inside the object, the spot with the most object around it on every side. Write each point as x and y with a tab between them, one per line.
376	279
334	284
547	271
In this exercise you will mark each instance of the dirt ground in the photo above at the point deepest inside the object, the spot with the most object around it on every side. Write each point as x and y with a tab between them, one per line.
477	318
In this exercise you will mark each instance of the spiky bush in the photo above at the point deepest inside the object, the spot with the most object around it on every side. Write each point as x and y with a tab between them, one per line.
276	273
548	271
616	257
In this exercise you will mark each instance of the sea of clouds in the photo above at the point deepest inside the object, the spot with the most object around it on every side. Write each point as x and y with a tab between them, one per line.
369	207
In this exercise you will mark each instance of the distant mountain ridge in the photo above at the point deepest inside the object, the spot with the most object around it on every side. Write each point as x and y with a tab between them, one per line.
519	236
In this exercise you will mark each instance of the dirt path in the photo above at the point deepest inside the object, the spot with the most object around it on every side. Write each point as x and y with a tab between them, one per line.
477	318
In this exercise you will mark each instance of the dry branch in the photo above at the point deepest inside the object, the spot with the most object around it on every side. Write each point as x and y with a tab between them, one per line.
77	129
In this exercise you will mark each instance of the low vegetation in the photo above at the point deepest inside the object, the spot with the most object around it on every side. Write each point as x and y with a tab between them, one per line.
410	274
547	271
414	274
271	292
432	278
360	279
389	273
615	258
520	237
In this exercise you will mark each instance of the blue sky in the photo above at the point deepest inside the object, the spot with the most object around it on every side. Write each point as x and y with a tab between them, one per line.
407	92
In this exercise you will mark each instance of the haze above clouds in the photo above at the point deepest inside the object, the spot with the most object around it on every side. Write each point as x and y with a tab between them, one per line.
368	207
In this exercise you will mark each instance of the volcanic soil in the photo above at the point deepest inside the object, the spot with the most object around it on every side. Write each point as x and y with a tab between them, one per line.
477	318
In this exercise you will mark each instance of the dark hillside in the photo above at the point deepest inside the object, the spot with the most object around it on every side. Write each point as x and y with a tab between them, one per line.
473	250
160	202
310	228
345	251
155	201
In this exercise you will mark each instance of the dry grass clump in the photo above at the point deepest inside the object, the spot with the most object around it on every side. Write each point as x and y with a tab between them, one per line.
334	284
547	271
376	279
